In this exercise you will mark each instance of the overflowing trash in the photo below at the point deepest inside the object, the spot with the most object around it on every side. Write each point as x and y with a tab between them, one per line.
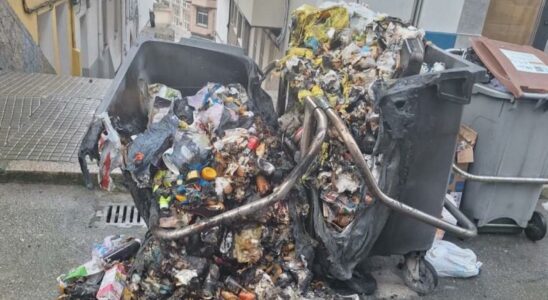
210	152
103	277
346	54
339	51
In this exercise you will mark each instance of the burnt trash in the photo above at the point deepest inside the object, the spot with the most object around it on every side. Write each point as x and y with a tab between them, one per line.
366	51
103	277
215	147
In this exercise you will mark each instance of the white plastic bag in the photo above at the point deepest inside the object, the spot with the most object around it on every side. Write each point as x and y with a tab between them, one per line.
109	147
450	260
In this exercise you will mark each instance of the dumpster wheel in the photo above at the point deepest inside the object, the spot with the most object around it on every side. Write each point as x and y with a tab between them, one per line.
418	274
536	228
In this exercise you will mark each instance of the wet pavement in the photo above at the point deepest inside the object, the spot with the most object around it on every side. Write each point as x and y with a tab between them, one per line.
48	229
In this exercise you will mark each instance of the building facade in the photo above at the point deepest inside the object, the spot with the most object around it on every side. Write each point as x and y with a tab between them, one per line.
20	52
260	27
202	17
105	30
84	37
50	26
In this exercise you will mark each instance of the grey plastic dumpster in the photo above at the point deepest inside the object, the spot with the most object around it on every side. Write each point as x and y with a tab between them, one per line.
512	142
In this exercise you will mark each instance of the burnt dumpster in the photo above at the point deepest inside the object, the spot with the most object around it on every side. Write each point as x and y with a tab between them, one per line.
401	100
246	203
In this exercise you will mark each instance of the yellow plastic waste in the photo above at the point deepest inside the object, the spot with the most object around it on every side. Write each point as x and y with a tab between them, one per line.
183	125
312	23
159	177
295	52
180	197
301	52
346	85
324	153
312	29
209	173
315	91
166	182
163	202
301	16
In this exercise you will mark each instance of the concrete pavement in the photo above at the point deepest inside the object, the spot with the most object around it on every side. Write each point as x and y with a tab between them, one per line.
48	229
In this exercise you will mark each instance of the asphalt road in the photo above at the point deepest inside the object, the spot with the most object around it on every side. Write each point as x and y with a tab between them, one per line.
47	229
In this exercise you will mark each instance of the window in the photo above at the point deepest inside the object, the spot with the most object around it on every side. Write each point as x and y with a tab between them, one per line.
246	30
186	3
105	23
117	18
262	48
201	17
254	54
233	12
239	25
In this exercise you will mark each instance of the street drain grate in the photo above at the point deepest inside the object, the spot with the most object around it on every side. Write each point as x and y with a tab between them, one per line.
121	215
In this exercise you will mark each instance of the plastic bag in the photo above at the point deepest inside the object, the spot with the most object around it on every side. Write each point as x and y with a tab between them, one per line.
148	147
189	148
161	99
312	24
450	260
109	147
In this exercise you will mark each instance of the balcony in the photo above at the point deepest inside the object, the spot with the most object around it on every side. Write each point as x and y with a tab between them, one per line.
263	13
205	3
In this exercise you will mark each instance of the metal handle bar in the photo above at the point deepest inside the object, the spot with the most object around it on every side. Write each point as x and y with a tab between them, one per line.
470	229
279	193
499	179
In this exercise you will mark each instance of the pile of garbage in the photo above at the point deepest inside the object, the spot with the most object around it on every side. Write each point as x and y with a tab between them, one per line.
345	53
207	153
103	277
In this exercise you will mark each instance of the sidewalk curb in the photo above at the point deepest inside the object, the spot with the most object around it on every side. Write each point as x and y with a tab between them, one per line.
48	172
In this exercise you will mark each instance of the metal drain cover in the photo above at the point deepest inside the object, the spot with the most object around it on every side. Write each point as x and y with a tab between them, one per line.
120	215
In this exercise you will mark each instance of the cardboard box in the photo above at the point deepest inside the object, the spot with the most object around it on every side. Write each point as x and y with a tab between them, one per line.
463	158
113	283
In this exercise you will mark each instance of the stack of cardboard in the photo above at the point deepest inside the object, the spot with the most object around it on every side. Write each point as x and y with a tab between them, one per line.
464	157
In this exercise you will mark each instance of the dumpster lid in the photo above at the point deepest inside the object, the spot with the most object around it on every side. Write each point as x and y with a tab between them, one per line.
519	68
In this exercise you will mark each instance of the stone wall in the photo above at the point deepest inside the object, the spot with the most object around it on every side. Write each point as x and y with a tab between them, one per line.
18	51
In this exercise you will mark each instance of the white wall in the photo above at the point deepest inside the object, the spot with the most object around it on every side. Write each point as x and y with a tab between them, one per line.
121	23
62	19
402	9
144	7
88	17
45	36
223	12
441	15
